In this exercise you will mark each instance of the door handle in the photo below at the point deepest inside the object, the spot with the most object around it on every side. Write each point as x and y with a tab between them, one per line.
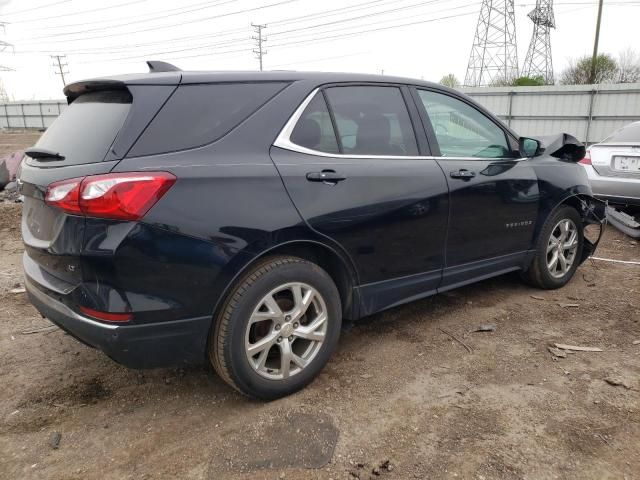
463	174
326	176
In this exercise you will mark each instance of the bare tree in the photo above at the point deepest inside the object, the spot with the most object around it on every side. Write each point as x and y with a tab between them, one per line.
450	80
628	66
4	96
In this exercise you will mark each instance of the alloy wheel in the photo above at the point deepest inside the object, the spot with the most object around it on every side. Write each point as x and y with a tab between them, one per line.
562	248
286	331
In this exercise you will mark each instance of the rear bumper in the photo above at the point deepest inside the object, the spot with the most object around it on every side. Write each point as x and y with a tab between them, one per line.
162	344
615	190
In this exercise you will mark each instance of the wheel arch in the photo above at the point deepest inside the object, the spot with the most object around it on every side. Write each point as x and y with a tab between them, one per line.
590	209
339	268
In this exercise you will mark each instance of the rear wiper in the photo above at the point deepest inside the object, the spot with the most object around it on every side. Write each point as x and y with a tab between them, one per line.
43	154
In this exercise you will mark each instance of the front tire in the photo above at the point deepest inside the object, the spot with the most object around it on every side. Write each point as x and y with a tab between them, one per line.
277	328
558	251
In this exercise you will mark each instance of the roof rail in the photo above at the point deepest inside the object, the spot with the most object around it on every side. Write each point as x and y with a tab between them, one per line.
156	66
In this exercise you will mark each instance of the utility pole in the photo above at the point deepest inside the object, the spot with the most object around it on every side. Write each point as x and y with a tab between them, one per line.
592	78
3	46
260	40
60	62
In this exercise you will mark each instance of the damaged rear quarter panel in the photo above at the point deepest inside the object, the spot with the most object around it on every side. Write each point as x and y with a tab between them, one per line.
561	182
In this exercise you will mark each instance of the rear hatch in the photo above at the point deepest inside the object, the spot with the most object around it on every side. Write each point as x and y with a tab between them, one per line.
90	137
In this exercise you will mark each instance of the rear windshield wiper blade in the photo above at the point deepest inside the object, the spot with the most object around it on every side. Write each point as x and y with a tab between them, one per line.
43	154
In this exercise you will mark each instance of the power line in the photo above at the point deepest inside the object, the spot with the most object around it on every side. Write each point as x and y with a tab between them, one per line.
259	39
285	40
159	27
127	17
370	30
332	12
123	49
126	50
36	8
367	15
147	18
369	24
68	14
315	40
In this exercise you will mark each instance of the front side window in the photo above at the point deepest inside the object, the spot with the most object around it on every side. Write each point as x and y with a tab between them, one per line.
372	120
461	130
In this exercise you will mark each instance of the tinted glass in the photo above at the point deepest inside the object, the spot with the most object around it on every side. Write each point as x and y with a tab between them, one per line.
461	130
199	114
630	133
372	121
86	129
314	129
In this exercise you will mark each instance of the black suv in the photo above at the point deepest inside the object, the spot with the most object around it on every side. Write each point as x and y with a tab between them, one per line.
174	217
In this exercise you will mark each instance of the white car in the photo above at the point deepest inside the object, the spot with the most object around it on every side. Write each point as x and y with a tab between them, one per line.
613	167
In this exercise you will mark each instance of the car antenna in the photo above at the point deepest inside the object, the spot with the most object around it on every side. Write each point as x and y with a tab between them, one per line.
156	66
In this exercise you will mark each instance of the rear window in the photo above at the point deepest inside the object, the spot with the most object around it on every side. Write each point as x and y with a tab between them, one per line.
630	133
86	129
196	115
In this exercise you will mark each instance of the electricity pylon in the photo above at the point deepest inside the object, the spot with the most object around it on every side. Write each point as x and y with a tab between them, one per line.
538	62
494	54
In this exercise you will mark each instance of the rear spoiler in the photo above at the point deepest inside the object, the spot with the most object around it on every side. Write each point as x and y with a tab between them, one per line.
74	90
160	73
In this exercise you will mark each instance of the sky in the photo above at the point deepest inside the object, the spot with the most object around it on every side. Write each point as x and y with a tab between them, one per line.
422	39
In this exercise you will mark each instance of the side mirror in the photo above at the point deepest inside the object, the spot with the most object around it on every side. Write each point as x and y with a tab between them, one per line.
528	147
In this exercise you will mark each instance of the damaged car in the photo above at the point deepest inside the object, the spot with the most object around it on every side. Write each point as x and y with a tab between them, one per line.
613	168
237	218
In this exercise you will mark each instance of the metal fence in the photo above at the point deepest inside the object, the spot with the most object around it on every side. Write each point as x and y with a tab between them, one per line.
31	114
588	112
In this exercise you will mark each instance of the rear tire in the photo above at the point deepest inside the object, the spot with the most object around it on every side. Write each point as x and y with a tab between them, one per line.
277	328
558	250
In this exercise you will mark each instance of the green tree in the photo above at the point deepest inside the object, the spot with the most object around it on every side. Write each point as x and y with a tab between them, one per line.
579	71
450	80
528	81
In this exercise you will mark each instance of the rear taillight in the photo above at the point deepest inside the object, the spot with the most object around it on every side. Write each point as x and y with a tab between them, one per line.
587	159
121	196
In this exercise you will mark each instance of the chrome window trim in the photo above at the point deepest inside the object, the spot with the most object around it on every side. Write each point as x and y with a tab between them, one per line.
284	141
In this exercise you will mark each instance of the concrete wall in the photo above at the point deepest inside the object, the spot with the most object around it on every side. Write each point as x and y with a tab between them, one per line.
32	114
588	112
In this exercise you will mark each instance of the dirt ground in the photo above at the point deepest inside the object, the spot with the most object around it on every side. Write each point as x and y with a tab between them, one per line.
400	398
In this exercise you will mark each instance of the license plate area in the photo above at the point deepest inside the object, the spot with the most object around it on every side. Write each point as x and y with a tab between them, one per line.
626	163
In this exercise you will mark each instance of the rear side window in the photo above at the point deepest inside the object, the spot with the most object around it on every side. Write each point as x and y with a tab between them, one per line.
372	120
630	133
86	129
314	129
196	115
